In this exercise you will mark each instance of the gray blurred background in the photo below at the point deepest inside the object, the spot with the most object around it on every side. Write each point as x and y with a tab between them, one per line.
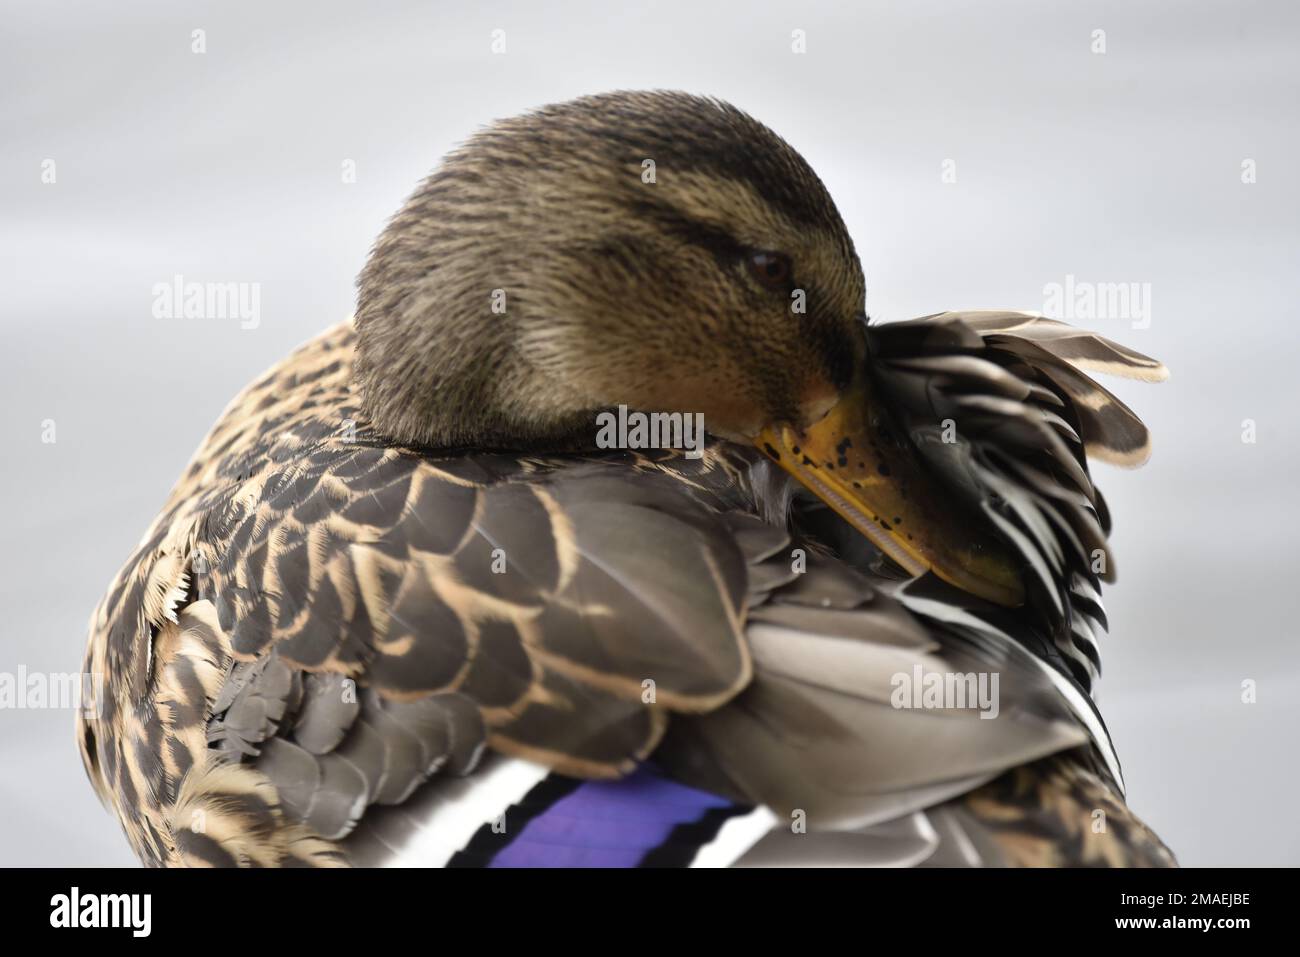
1117	167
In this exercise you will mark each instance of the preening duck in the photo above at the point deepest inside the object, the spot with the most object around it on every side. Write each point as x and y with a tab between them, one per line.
405	606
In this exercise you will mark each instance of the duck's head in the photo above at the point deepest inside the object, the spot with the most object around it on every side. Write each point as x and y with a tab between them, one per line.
659	251
656	250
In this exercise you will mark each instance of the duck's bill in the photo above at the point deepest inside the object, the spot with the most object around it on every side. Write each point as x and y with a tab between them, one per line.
880	485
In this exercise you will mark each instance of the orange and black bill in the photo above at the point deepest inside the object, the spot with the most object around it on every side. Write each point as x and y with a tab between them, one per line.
854	462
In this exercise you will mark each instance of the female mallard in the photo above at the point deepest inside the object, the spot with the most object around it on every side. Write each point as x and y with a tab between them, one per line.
404	607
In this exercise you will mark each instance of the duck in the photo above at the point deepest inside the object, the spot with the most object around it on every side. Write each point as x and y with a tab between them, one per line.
409	604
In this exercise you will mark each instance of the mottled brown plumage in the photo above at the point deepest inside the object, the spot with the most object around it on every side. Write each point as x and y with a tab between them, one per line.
399	550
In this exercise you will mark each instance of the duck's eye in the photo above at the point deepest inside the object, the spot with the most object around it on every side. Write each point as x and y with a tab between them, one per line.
770	269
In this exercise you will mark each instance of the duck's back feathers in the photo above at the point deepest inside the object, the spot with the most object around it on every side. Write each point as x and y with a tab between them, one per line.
321	626
522	591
